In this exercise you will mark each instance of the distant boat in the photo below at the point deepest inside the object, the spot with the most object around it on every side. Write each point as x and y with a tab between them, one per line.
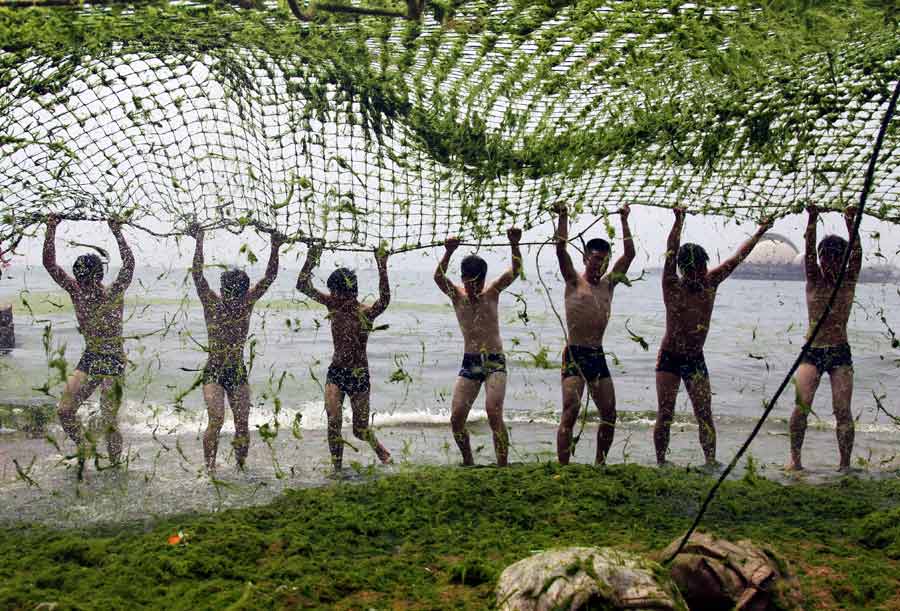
777	258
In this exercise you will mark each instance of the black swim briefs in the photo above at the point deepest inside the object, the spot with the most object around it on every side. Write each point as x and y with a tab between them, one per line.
828	358
685	366
351	380
477	366
229	375
585	361
105	364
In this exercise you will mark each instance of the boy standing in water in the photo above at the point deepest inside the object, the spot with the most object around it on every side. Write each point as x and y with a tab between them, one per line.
483	361
588	304
689	302
98	310
227	326
351	324
830	352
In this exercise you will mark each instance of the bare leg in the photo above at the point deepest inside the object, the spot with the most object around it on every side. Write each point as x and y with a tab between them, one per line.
464	394
604	394
806	382
214	395
78	388
841	394
239	400
666	392
572	391
701	399
361	429
334	400
110	401
495	393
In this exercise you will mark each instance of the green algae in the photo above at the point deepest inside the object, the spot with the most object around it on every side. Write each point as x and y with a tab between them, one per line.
432	537
30	417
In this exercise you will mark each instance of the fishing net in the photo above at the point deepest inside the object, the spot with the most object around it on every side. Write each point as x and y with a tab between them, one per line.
367	130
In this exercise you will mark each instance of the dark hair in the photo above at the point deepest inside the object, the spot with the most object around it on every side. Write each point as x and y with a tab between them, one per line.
691	256
87	268
235	283
597	245
473	267
832	246
343	280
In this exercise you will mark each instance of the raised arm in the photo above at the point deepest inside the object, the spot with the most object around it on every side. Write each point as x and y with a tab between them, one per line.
61	278
620	268
440	274
855	264
810	257
722	271
509	276
562	239
271	269
203	290
304	279
384	286
123	280
670	267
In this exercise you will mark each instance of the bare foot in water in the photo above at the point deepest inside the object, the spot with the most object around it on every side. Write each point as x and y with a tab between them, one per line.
712	466
794	466
384	456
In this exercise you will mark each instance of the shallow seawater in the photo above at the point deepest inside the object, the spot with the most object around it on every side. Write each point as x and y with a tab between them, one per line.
756	332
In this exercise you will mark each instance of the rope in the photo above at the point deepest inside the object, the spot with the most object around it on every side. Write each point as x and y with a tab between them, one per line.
854	236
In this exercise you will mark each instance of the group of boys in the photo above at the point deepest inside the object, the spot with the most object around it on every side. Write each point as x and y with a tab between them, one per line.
689	299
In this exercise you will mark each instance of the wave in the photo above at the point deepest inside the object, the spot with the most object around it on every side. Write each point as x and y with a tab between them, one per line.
143	418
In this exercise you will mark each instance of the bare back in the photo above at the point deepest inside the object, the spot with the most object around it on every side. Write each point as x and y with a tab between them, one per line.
834	331
820	285
688	314
351	324
227	328
99	313
588	308
98	309
689	301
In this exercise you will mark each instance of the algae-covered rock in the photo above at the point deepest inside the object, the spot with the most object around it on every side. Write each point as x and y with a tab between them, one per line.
717	574
581	578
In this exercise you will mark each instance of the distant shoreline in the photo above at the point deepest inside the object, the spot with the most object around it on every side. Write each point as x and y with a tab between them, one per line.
880	274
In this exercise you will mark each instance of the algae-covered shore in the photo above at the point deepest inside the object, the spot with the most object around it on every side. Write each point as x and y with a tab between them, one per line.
434	538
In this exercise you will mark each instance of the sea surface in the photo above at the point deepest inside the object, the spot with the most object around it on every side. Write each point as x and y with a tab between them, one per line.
757	330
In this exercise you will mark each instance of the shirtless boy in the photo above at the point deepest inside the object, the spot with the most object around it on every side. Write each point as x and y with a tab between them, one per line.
227	326
351	324
830	352
483	362
98	310
588	303
689	302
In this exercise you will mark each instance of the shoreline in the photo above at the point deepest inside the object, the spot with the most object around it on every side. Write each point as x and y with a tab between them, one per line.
165	473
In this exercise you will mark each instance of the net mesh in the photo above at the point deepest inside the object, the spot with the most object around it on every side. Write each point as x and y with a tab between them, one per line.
367	131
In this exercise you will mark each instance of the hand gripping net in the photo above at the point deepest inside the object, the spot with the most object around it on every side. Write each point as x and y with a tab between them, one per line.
371	130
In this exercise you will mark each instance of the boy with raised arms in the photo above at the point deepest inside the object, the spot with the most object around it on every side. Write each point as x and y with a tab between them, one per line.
351	324
830	352
227	327
484	363
689	301
588	303
99	311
